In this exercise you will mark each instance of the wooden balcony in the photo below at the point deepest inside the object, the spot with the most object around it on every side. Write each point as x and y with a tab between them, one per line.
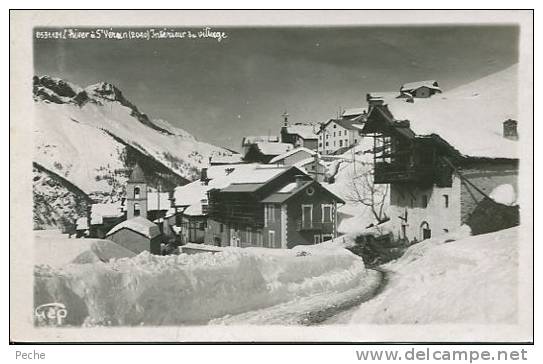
314	226
389	173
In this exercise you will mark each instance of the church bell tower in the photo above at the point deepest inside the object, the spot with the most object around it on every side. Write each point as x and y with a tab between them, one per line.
136	194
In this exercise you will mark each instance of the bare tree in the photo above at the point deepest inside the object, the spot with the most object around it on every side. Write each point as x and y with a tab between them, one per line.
361	189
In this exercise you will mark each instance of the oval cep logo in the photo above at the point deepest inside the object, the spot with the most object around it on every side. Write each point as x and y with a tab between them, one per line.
51	313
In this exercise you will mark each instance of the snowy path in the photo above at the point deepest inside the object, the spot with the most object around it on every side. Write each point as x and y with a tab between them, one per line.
344	316
312	310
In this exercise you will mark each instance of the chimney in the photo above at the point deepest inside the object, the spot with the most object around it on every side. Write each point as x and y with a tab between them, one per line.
316	163
300	179
203	176
510	129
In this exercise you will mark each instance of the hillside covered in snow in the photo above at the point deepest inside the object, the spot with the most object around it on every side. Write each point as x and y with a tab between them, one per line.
442	280
92	137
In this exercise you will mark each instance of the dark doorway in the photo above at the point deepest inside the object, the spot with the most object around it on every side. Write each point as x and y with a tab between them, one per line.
426	233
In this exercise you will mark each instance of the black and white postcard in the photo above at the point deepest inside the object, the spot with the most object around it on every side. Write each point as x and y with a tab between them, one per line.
271	176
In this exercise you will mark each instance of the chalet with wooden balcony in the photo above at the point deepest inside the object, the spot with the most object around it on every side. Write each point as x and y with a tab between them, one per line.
273	207
441	156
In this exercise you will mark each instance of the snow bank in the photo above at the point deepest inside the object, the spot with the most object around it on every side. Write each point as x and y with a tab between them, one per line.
193	289
472	280
55	249
504	194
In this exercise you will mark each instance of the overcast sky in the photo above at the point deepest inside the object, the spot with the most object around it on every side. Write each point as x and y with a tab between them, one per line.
220	91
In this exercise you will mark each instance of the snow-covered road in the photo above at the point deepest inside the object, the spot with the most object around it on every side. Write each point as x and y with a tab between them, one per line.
311	310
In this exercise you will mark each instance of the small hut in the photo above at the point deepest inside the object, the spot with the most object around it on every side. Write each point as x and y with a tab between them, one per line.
137	234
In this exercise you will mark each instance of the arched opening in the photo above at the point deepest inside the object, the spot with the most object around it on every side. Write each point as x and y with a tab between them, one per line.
136	209
136	192
425	231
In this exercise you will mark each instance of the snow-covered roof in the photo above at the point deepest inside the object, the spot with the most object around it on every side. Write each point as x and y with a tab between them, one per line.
226	159
354	112
138	224
252	139
221	177
469	117
170	212
292	189
418	84
288	187
304	162
268	148
349	124
82	224
306	131
382	94
101	210
292	152
194	210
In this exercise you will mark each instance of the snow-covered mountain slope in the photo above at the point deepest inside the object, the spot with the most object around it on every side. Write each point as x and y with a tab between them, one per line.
56	200
93	136
83	134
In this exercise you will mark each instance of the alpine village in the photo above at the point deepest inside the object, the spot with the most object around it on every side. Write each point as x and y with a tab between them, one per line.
413	176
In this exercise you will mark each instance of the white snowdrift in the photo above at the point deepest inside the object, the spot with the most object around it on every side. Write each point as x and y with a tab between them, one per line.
55	249
472	280
504	194
193	289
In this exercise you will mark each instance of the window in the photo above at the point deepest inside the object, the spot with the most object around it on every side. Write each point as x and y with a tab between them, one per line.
355	140
136	209
346	142
221	228
446	200
249	236
334	126
326	213
269	214
320	145
259	238
424	201
326	237
326	143
344	132
334	134
136	192
334	143
271	238
307	216
341	143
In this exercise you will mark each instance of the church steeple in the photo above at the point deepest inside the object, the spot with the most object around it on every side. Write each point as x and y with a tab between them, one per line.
285	118
136	194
